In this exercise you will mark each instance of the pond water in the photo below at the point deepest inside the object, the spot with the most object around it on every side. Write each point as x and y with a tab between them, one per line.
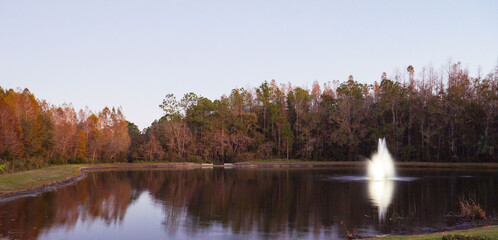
245	204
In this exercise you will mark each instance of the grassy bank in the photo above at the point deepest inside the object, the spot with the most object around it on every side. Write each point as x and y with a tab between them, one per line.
36	178
487	232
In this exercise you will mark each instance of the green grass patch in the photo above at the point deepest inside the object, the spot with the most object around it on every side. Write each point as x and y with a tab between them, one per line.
487	232
36	178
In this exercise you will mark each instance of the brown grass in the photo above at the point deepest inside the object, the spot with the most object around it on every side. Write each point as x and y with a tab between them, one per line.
471	210
351	235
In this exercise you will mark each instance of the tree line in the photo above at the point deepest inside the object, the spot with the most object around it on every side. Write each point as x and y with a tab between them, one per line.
34	133
435	116
431	115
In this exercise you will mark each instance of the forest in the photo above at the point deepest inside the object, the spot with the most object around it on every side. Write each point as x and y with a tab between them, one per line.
432	115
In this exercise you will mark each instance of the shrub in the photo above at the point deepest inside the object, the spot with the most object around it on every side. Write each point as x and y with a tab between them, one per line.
79	160
23	164
193	158
58	160
245	156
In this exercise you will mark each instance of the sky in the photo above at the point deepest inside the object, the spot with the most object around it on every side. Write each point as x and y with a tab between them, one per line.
132	53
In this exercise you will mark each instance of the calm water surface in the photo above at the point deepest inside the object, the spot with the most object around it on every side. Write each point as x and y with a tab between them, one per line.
244	204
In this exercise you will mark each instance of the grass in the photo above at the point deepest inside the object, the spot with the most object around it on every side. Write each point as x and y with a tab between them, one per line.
487	232
36	178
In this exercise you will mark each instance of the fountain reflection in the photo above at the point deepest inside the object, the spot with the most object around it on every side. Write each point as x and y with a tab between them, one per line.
381	193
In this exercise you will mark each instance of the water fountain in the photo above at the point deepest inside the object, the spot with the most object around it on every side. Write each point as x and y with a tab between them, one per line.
381	165
381	178
381	174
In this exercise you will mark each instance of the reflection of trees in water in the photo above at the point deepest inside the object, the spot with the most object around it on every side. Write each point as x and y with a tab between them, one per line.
425	200
288	202
271	201
104	197
108	199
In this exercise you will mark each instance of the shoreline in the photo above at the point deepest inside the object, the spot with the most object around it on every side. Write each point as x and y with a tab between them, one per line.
79	170
401	165
11	195
81	173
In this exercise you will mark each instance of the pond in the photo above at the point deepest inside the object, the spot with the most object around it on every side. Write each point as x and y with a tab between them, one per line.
245	204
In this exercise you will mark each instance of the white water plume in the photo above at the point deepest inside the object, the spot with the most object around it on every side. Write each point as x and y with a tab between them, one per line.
381	165
380	175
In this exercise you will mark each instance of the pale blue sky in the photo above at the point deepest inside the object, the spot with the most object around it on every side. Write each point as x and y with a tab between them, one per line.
132	53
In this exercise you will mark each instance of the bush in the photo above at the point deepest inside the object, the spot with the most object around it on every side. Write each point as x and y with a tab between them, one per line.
58	160
193	158
245	156
265	150
79	160
23	164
